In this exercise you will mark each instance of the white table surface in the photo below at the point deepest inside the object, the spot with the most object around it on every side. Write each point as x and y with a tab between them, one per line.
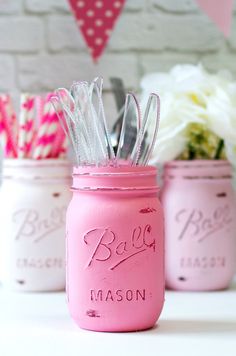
191	324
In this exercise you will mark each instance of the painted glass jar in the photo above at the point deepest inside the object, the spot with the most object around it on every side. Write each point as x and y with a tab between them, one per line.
200	225
115	268
33	202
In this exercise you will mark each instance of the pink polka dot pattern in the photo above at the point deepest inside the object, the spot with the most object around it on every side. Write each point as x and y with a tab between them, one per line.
90	32
96	20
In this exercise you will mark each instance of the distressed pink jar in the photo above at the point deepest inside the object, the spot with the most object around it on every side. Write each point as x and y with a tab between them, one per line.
33	201
115	268
200	225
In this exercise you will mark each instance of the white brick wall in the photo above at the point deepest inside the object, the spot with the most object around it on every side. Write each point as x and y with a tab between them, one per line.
47	71
41	48
21	34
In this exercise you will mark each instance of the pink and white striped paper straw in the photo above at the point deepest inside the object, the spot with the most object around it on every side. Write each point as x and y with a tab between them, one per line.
6	134
26	125
47	131
64	147
60	143
10	113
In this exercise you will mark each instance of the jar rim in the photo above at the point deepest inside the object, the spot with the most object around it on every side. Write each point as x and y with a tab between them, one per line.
122	178
198	169
114	171
41	163
197	163
36	170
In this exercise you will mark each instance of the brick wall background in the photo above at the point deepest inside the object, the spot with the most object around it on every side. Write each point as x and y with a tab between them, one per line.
41	47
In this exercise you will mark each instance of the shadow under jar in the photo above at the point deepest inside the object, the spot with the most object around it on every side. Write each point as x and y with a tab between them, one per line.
33	201
200	225
115	262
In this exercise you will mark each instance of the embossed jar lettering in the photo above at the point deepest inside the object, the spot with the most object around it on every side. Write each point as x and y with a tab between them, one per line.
31	224
107	245
198	225
117	295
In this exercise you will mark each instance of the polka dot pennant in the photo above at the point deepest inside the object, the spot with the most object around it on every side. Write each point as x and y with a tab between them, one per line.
96	20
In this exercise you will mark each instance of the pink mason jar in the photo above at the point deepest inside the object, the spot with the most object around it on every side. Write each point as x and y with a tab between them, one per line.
115	262
200	225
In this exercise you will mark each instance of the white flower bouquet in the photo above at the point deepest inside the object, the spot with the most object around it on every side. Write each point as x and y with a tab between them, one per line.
198	114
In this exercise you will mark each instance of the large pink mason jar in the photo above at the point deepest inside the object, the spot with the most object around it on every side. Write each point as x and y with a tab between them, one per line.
200	225
115	264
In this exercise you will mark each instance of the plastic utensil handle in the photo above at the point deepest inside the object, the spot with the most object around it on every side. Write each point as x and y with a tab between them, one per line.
130	127
149	128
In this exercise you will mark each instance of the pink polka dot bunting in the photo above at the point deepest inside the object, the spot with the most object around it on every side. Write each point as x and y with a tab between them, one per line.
96	20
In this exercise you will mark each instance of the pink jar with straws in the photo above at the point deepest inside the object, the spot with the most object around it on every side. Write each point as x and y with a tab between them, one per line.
115	248
200	225
33	201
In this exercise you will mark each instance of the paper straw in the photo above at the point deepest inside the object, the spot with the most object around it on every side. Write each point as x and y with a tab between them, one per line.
58	144
6	134
61	143
39	107
63	147
26	125
3	137
45	138
10	113
47	131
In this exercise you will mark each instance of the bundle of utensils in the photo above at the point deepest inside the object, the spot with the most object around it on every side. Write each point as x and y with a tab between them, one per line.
82	116
36	134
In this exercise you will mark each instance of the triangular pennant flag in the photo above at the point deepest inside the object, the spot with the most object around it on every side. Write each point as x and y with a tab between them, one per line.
96	20
220	12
